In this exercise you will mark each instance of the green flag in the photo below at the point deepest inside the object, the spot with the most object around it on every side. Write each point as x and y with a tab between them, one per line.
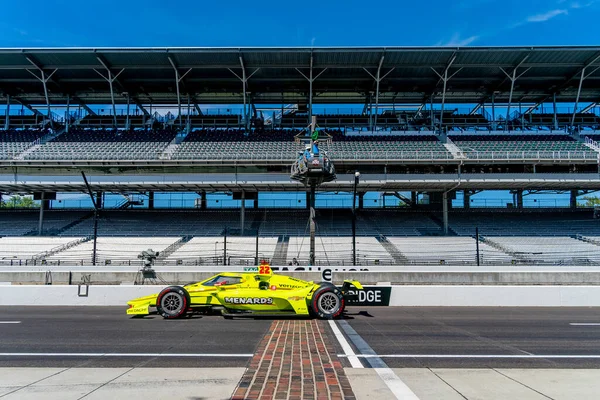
315	135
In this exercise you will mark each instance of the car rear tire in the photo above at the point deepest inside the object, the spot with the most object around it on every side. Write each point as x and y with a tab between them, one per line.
173	302
328	302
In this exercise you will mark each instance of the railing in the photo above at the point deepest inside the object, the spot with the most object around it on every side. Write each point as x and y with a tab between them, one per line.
464	258
531	155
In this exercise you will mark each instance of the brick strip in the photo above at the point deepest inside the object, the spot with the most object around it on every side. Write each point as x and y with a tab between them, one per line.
295	360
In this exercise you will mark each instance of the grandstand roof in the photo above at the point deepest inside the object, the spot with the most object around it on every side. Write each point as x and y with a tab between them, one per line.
344	74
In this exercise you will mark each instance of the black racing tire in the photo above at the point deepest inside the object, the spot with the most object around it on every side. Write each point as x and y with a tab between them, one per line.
173	302
327	302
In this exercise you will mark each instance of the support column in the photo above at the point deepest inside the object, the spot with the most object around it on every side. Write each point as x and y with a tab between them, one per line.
127	125
151	200
308	200
573	199
445	78
310	91
414	199
41	220
445	211
243	212
111	78
519	194
7	122
577	98
466	199
203	200
554	109
256	201
493	112
360	200
188	125
68	117
99	202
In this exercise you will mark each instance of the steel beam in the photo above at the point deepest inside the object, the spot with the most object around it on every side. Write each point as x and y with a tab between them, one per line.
178	93
589	107
44	79
577	98
110	79
67	116
310	78
554	110
444	78
513	77
127	122
475	109
84	105
178	79
244	79
7	120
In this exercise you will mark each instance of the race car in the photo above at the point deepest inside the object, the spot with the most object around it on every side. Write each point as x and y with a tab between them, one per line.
259	293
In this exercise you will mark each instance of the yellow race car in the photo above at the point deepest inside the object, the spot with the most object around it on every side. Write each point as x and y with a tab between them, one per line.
259	293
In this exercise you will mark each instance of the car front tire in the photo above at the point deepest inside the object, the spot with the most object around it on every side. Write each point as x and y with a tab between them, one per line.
173	302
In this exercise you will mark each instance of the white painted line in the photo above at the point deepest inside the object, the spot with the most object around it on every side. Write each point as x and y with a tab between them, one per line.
355	362
10	322
585	323
398	388
395	384
592	356
120	355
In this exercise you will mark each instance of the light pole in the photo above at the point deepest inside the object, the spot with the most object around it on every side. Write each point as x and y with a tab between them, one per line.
356	179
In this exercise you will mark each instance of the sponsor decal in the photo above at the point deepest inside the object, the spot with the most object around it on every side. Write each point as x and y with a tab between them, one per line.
138	310
286	286
273	287
295	298
315	162
370	296
249	300
250	269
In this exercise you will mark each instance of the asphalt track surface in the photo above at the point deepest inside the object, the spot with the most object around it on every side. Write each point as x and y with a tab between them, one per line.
212	341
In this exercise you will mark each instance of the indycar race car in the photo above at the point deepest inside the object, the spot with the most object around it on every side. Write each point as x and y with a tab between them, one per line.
259	293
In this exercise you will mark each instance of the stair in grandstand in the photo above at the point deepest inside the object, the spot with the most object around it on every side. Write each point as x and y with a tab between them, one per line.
39	143
60	231
29	150
588	142
397	255
440	223
258	219
591	240
456	152
52	135
173	145
281	250
45	254
174	247
498	246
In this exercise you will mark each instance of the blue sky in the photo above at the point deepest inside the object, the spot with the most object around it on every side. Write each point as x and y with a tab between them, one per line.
37	23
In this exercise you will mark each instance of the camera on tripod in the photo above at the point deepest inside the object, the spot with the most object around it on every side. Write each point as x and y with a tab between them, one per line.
148	257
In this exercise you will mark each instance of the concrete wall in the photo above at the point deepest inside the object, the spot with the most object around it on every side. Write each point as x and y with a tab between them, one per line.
496	296
406	295
430	276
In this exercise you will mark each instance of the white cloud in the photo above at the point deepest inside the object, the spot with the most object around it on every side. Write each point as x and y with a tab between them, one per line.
457	41
547	15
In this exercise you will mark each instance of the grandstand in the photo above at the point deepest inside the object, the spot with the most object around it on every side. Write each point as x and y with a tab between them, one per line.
415	134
